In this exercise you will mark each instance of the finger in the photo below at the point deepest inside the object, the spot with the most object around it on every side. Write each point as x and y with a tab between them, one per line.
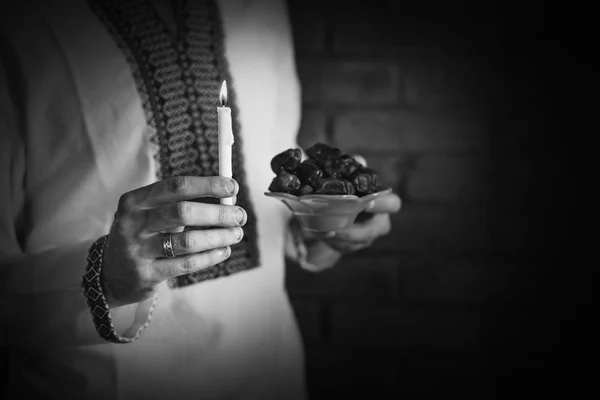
360	159
192	241
346	246
389	203
188	213
324	235
182	188
367	231
166	268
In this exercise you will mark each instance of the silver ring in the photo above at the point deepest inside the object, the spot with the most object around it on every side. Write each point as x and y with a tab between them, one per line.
168	245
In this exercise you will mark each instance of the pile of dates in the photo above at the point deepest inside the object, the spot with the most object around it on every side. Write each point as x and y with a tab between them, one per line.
326	171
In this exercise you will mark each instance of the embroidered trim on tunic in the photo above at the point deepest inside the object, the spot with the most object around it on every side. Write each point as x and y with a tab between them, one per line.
96	301
178	81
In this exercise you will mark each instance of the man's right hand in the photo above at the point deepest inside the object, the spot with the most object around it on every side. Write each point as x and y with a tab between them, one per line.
134	260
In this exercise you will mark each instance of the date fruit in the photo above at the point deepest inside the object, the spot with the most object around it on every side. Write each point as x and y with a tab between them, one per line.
365	180
304	190
285	183
341	167
309	171
286	161
322	153
334	186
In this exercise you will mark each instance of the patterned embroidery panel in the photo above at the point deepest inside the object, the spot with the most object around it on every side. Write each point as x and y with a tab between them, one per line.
96	301
179	80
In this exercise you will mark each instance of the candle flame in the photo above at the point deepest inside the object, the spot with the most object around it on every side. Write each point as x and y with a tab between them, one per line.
223	94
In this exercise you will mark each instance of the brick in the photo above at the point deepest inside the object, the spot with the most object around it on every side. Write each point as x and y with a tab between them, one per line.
467	281
449	179
452	228
308	28
408	131
399	327
307	312
424	82
312	128
504	213
435	228
391	170
364	29
389	27
439	81
501	182
310	73
361	83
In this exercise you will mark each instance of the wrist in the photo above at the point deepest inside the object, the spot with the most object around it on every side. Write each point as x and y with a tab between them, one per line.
311	253
320	256
95	297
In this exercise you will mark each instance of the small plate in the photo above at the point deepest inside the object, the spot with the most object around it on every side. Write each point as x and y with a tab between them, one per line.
326	213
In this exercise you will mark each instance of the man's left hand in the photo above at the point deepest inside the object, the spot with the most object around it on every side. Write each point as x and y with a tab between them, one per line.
362	234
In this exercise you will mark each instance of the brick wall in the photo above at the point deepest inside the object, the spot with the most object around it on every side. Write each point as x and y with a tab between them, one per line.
446	101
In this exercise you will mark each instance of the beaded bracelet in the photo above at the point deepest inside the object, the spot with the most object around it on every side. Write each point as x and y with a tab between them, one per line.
96	301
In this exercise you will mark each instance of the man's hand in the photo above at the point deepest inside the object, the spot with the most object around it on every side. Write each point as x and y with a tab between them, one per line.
324	253
324	250
134	260
363	234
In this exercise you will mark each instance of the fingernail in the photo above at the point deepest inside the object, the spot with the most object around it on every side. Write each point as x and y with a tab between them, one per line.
371	205
226	251
230	186
240	215
360	159
239	233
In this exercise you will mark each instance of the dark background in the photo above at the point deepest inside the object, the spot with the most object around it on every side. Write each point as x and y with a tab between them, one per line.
465	109
469	111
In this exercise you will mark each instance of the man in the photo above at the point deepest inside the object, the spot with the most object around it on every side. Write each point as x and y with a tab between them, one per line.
108	167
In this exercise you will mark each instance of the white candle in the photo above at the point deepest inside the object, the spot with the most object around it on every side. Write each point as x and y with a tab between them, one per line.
225	139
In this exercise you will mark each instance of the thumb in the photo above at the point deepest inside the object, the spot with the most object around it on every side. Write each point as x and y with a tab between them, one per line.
360	159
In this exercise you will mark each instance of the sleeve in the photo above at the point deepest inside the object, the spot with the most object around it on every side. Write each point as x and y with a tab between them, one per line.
289	104
302	248
296	247
41	298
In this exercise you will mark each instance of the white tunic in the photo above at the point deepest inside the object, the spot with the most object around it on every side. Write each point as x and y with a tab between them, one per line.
72	141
